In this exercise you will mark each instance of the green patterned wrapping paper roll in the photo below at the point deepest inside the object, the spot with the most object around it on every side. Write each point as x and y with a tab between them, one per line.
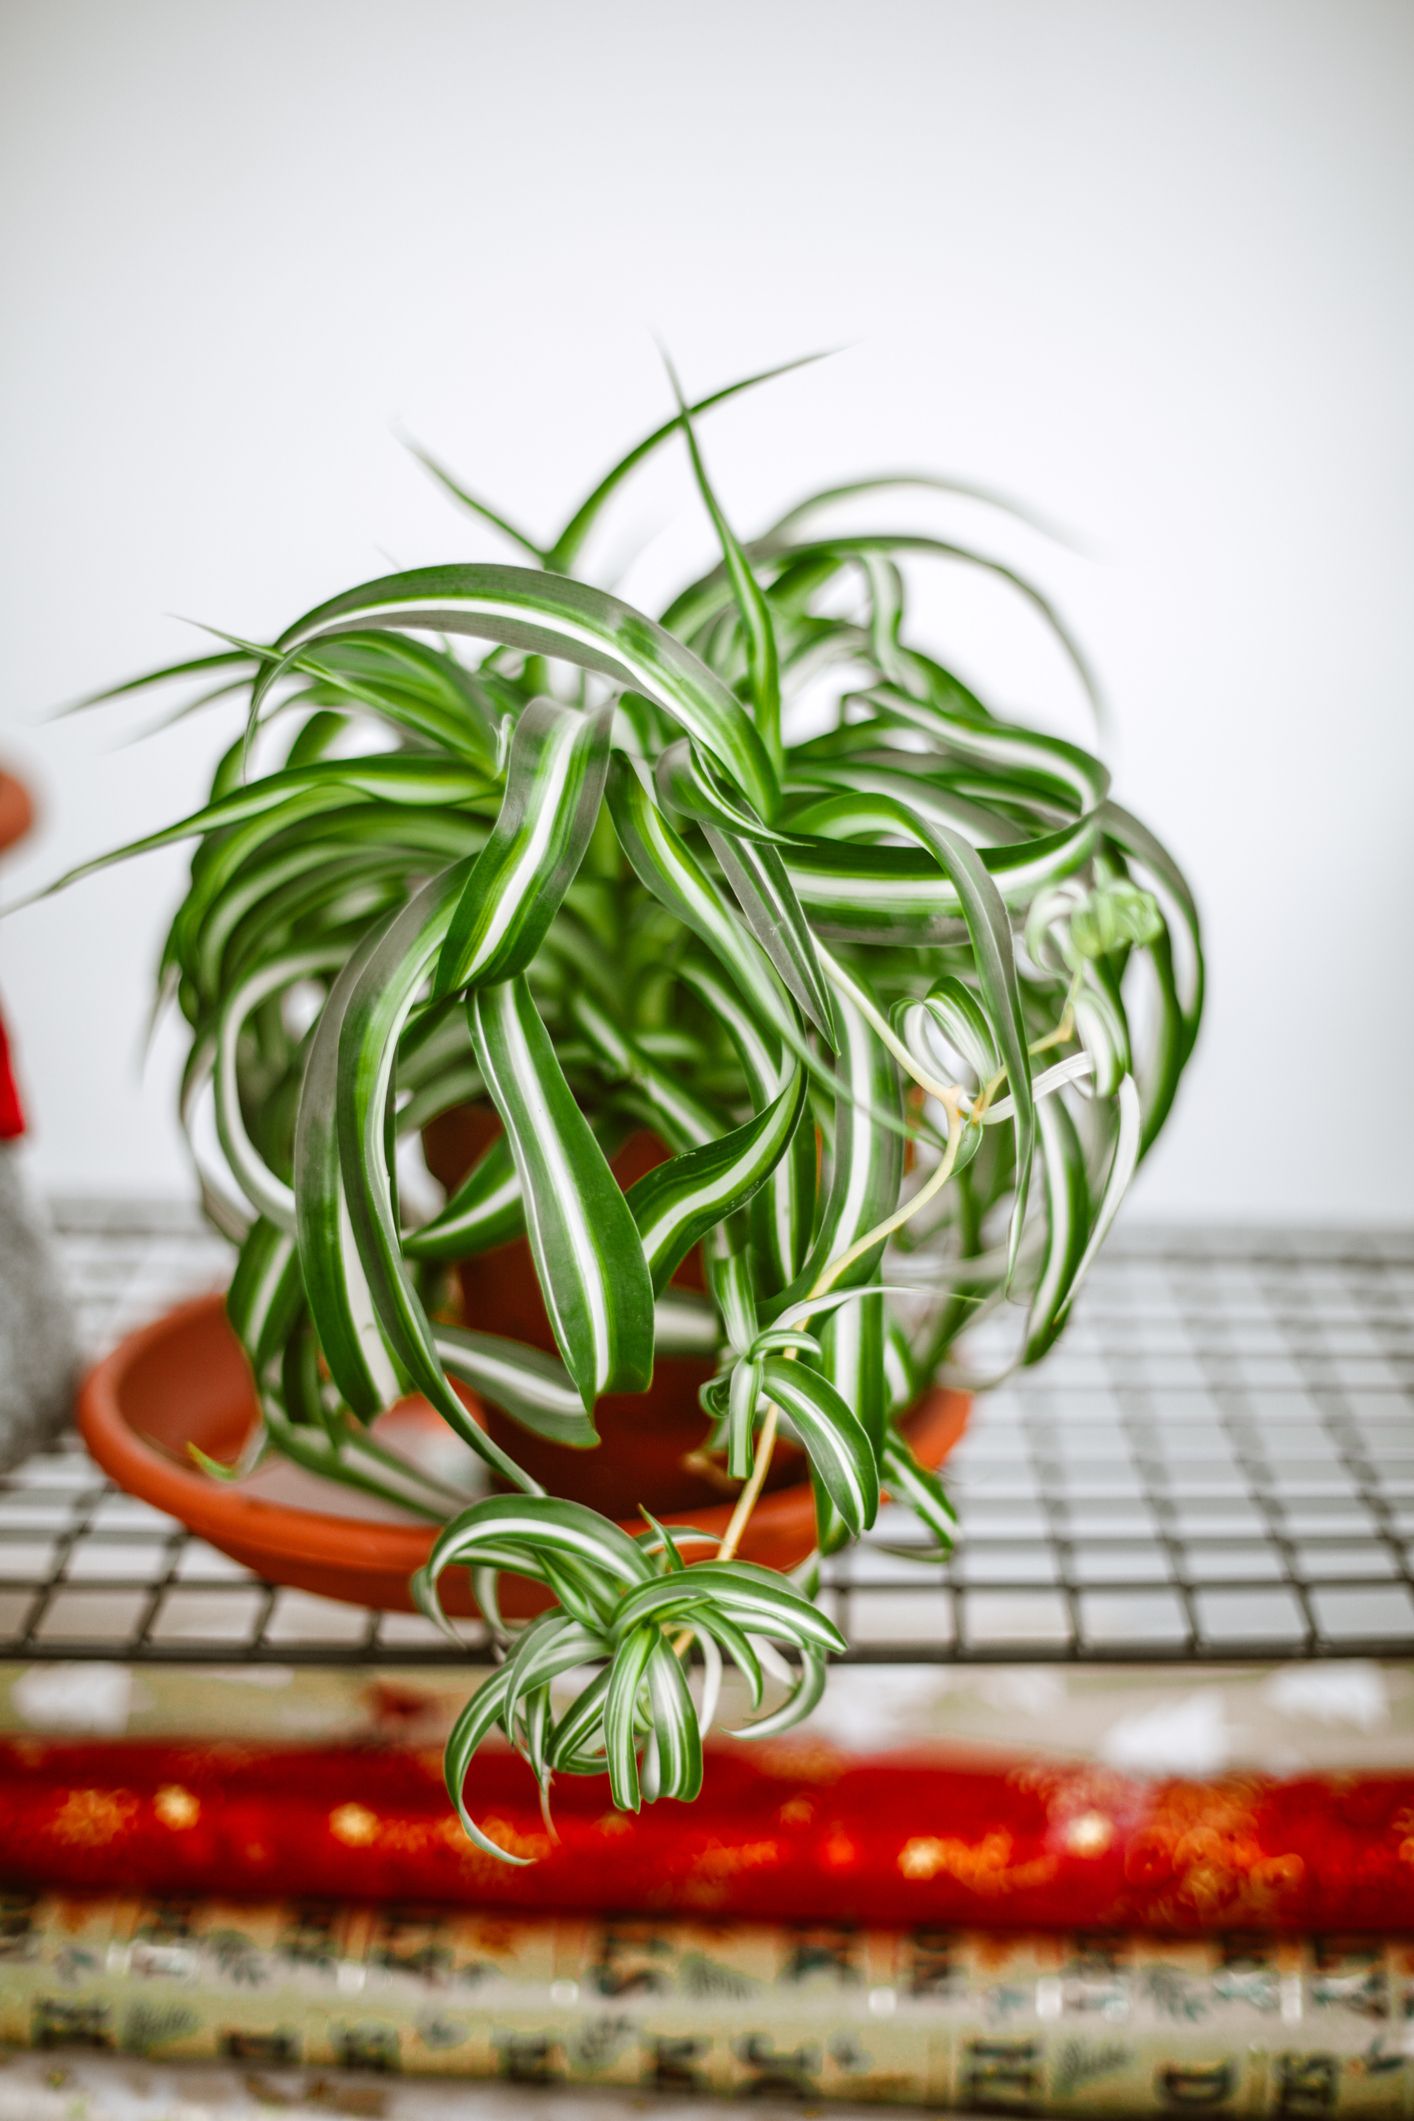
1021	2025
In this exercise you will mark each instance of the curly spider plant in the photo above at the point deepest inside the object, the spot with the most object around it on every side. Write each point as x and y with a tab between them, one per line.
902	994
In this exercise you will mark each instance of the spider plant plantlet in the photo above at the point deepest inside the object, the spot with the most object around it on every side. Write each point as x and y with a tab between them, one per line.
901	994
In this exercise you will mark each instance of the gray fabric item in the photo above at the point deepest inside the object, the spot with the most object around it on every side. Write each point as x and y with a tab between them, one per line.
38	1354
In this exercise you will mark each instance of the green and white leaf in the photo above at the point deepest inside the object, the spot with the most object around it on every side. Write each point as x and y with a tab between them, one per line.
583	1238
554	784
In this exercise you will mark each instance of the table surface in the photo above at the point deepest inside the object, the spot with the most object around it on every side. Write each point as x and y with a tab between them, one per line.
1215	1468
1215	1464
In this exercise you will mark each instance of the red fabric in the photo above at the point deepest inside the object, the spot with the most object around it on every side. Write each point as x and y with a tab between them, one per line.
12	1118
790	1832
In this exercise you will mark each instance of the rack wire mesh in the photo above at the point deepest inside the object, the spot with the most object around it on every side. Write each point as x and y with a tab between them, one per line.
1216	1464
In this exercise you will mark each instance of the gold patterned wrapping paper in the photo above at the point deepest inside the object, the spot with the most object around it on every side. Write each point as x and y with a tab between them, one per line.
1024	2025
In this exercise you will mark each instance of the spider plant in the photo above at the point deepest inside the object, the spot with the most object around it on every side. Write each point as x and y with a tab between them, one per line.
904	994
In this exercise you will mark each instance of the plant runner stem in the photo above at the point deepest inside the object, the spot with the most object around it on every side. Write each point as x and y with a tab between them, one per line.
825	1281
750	1494
1064	1031
951	1098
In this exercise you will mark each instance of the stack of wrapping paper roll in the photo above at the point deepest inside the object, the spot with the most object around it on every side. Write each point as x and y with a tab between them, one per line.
960	1928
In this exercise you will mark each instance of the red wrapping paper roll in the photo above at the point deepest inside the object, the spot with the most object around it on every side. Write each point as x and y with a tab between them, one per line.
793	1832
12	1117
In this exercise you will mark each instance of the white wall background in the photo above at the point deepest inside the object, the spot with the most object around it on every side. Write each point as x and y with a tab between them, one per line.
1146	264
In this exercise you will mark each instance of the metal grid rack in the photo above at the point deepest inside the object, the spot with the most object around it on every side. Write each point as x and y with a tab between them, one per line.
1217	1464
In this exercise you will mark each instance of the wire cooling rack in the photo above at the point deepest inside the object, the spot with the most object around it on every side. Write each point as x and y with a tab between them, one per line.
1216	1464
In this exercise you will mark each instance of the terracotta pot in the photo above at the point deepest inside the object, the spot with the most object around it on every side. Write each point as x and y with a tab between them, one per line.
184	1381
646	1439
16	810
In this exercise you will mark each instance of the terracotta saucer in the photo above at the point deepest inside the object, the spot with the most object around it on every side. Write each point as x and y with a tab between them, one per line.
183	1380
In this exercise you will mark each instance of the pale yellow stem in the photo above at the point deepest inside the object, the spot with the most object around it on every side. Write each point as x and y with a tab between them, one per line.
880	1025
751	1492
745	1503
1064	1031
829	1275
843	1261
